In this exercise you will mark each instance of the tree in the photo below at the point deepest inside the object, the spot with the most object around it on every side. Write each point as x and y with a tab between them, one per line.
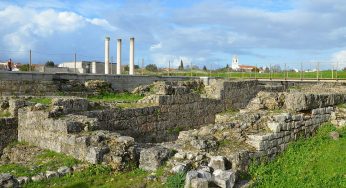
126	68
49	64
151	67
181	66
227	66
204	68
136	66
25	67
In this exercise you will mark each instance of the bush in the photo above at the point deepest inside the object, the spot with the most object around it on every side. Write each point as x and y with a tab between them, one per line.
176	181
151	67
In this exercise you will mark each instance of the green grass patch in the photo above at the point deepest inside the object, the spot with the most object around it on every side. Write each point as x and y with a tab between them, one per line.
315	162
47	160
343	105
119	97
5	114
43	100
100	176
176	180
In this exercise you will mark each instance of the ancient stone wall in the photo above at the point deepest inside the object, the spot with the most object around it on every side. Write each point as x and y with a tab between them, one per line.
73	135
161	122
23	83
287	128
8	132
237	94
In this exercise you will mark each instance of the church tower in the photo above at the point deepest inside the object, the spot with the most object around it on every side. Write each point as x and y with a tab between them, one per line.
235	63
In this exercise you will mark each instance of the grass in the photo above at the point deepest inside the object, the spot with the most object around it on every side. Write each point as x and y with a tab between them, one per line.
5	114
176	180
324	74
100	176
43	100
119	97
343	105
315	162
47	160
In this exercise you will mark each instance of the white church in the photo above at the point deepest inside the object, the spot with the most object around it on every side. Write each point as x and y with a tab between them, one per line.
245	68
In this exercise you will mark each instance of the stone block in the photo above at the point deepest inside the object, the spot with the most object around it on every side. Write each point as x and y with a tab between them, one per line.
199	183
152	158
8	181
224	178
218	162
274	126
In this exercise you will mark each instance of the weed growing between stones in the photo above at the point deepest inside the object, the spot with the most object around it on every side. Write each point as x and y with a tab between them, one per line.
119	97
314	162
43	100
176	180
5	114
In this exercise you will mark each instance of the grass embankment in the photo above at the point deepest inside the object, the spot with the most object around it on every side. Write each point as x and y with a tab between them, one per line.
325	74
116	97
102	176
42	100
44	161
315	162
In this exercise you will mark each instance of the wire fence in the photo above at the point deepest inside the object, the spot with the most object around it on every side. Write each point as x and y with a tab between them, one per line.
318	70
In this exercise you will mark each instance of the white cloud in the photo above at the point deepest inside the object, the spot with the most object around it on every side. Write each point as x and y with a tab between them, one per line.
103	23
156	46
339	59
25	26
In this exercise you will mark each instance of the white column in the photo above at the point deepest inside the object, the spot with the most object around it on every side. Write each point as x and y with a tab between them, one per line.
107	55
119	56
93	67
132	56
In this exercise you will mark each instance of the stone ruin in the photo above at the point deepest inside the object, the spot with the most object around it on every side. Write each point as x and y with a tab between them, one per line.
211	130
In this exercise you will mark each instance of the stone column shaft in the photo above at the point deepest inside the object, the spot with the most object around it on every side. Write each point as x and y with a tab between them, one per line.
132	56
107	55
119	56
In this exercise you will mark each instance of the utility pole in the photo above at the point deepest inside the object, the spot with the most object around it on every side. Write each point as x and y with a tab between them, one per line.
318	70
30	62
336	72
285	72
75	63
169	67
142	66
270	72
301	71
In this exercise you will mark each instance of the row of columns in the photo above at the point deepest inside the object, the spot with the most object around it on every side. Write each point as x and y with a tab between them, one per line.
132	56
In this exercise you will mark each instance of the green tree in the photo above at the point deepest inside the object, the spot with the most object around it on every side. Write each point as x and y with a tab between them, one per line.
49	64
181	66
151	67
205	68
25	67
126	68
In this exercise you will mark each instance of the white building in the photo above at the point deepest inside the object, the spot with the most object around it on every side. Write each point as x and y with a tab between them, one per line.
235	65
93	67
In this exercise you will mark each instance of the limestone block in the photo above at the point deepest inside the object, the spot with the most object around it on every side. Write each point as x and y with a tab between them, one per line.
224	178
199	183
38	177
8	181
152	158
180	168
217	162
274	126
189	177
51	174
64	170
23	180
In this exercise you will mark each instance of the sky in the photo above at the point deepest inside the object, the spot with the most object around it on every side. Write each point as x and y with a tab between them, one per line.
199	32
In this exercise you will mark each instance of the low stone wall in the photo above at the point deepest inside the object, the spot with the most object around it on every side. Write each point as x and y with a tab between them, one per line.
8	132
238	93
163	122
24	83
73	135
287	128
